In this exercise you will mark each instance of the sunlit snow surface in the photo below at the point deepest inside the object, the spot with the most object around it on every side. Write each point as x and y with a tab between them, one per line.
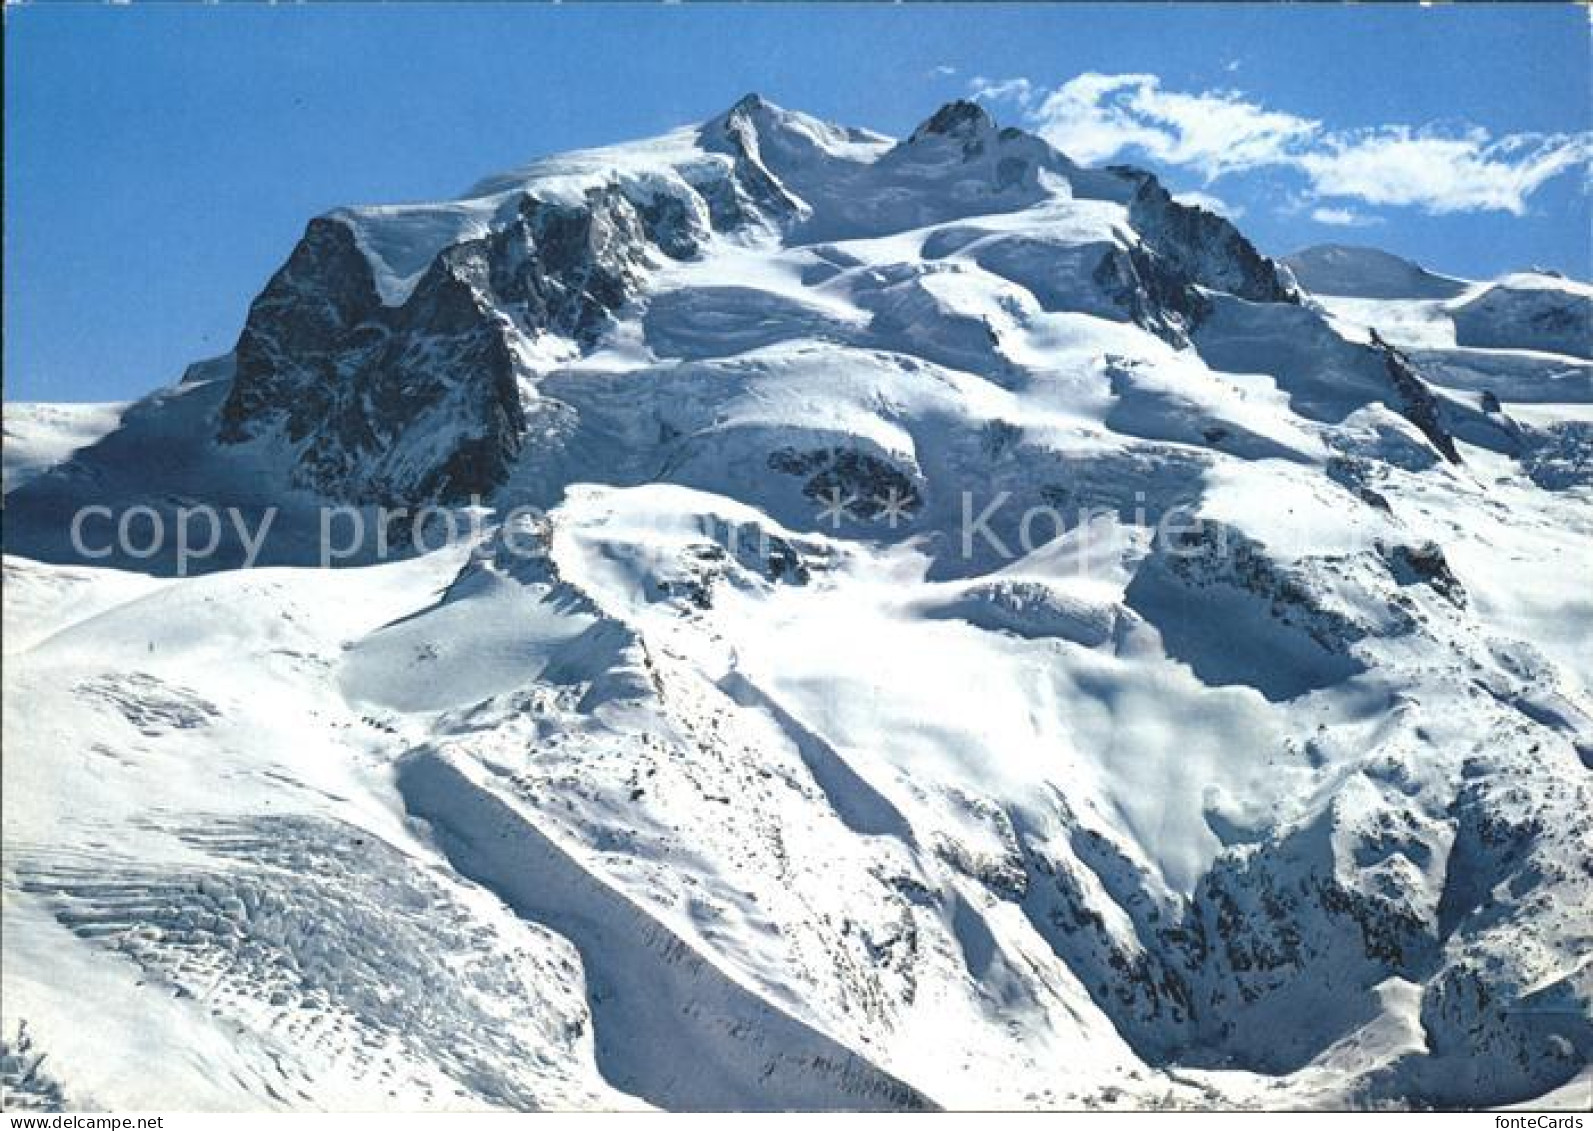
713	803
39	436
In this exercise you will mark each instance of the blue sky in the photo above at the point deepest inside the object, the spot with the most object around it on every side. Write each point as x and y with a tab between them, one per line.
161	161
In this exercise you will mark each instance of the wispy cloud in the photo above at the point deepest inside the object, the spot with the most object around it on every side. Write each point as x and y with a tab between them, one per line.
1344	217
1468	171
1095	117
1016	92
1210	203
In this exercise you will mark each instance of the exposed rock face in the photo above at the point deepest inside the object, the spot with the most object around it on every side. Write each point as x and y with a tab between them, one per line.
1414	399
1343	900
1152	292
1424	565
1516	1033
963	120
564	269
287	353
859	484
1125	936
422	401
1204	247
753	191
1560	456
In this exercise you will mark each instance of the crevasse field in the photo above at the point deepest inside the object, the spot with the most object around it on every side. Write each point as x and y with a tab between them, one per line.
939	626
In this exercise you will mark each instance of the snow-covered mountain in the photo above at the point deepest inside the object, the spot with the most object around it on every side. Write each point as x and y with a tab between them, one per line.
1366	272
1529	310
934	625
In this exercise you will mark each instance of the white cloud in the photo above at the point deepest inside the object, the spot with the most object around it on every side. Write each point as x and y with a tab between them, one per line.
945	70
1210	203
1095	118
1461	172
1344	217
1018	92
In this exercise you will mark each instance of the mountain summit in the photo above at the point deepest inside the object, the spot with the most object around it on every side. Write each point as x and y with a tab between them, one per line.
440	313
966	121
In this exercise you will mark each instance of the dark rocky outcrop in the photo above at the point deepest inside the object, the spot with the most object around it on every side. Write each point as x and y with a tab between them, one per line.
1136	957
1560	456
1202	246
1340	900
966	121
860	485
288	351
1414	399
1152	292
1424	565
422	401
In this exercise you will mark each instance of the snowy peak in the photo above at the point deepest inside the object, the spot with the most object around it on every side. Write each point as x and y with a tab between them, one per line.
790	141
1365	272
792	129
1527	310
751	126
1535	311
963	120
397	351
1007	158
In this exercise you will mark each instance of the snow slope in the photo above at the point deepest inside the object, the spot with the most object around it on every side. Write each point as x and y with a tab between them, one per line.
939	626
1529	311
39	436
1410	305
